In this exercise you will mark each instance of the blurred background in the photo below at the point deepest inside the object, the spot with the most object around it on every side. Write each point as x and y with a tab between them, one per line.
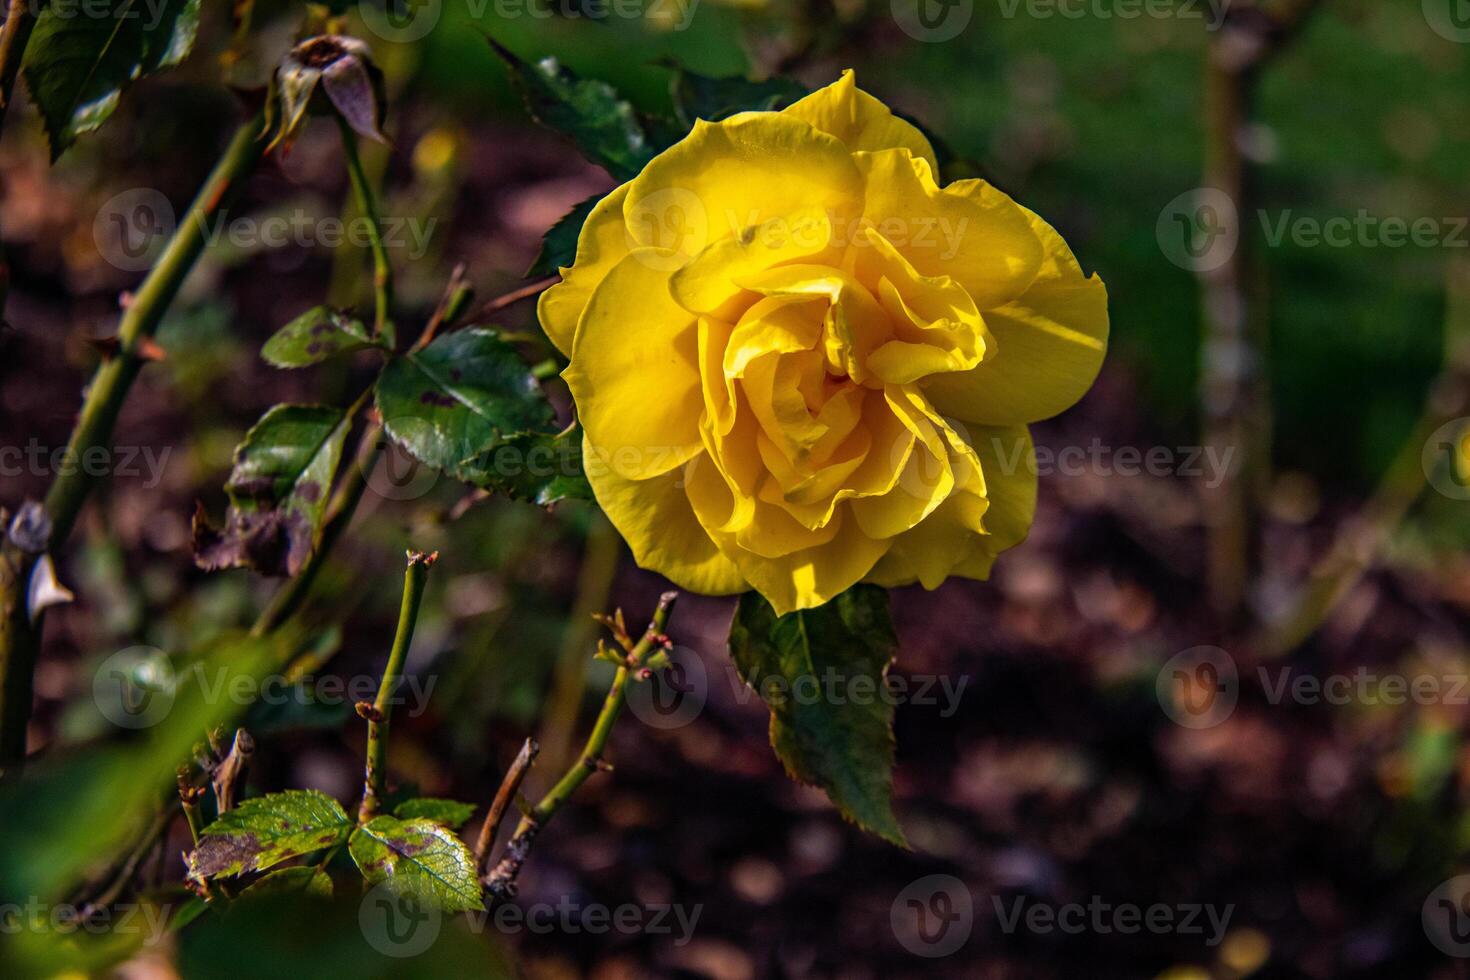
1047	758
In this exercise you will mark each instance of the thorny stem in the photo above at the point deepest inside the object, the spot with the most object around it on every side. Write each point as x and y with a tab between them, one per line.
500	883
382	269
20	633
379	713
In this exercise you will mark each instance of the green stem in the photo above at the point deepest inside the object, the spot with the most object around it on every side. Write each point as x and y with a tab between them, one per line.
19	632
500	883
380	712
367	202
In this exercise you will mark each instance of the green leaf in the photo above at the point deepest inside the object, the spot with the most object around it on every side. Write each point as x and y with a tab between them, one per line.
309	881
539	467
842	738
83	55
278	491
459	397
451	813
421	858
266	830
77	811
314	336
559	245
604	125
699	96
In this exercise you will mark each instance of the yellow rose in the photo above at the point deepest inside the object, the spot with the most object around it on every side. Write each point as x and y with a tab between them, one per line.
800	363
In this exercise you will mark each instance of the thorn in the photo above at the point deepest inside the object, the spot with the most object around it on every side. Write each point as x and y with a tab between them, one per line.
151	350
45	589
645	674
106	346
419	558
366	711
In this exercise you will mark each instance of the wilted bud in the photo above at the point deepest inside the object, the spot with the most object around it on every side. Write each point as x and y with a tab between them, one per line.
330	73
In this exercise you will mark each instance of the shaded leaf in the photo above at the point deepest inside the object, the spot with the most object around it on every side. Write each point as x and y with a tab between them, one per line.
82	56
420	858
460	397
559	245
841	739
451	813
604	125
314	336
278	491
267	830
309	881
350	937
539	467
699	96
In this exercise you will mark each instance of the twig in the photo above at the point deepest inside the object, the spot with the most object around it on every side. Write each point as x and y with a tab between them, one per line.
382	269
457	296
500	883
230	776
189	796
379	713
491	307
509	787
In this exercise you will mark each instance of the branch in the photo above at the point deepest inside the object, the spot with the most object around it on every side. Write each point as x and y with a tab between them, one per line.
379	713
229	777
509	787
500	883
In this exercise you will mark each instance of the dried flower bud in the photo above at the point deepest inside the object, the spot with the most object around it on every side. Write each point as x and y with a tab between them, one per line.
330	73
